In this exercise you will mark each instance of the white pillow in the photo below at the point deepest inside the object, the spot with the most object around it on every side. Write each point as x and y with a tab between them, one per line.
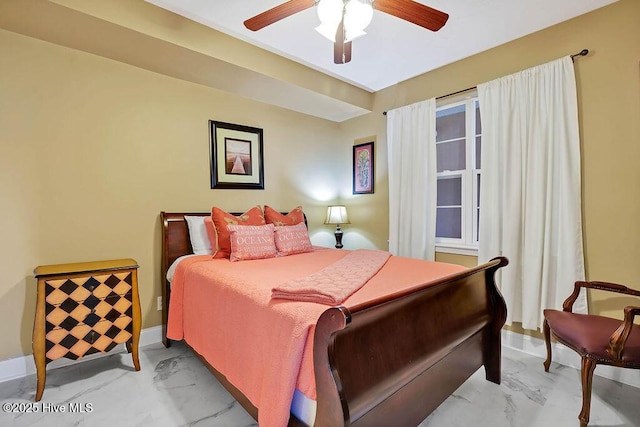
198	235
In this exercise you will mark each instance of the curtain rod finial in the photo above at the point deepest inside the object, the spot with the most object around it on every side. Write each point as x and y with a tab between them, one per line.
583	52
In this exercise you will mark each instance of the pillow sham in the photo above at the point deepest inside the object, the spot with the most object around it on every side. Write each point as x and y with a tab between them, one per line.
296	216
292	239
251	242
220	221
198	235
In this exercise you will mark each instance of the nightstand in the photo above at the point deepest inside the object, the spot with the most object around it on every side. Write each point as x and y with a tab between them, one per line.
85	308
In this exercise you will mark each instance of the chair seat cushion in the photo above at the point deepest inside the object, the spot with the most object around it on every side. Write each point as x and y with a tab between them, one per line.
589	334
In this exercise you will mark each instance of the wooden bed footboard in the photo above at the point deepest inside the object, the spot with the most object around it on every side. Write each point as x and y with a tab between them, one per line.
392	361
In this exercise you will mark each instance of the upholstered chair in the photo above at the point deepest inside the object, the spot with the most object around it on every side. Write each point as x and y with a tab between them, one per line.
597	339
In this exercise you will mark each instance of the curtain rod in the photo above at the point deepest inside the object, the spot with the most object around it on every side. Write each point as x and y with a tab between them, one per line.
449	94
583	52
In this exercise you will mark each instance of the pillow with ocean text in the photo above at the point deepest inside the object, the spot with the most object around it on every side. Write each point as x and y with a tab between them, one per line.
292	239
251	242
220	221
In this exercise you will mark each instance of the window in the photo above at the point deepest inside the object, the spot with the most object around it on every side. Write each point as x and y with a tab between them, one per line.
458	143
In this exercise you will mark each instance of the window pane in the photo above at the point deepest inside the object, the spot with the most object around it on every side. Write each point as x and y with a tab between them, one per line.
449	223
478	150
449	192
478	122
451	155
450	123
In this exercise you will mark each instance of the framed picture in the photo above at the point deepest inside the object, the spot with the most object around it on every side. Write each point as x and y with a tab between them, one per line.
236	156
363	171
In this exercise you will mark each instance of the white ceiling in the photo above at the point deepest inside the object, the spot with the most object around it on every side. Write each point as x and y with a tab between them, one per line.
393	50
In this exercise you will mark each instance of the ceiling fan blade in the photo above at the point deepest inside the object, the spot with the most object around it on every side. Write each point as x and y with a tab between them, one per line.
341	49
277	13
409	10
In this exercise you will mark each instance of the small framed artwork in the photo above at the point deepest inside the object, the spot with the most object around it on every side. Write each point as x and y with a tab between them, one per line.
236	156
363	171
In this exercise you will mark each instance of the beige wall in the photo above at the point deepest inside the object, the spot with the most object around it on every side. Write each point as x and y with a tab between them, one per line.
91	150
608	82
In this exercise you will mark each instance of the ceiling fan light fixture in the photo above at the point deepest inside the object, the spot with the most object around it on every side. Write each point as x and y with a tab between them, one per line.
329	31
357	16
330	15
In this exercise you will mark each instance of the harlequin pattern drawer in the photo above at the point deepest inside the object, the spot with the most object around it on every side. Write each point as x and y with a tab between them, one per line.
85	315
83	340
80	288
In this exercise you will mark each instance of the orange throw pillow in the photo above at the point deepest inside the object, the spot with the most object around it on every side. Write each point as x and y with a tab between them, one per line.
221	219
296	216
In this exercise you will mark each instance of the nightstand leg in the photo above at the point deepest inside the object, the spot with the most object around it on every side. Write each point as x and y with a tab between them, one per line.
136	320
134	354
133	349
41	369
38	341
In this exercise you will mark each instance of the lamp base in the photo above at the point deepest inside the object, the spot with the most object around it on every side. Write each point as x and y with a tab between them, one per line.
338	235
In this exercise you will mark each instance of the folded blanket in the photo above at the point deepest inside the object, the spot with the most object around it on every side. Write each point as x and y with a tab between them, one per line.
336	282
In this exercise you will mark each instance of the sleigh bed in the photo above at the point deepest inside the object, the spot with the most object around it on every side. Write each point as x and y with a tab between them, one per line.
390	360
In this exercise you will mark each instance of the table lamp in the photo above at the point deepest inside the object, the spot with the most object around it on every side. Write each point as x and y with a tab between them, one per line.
337	215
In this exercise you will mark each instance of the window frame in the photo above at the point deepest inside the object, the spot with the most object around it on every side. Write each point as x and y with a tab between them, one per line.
468	243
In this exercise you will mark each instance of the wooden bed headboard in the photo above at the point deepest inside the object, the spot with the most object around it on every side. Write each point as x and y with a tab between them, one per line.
175	237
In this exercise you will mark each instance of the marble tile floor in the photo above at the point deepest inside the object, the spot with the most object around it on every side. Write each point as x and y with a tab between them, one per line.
175	389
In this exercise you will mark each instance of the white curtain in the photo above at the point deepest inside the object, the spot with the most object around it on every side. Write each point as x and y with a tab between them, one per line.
411	136
530	203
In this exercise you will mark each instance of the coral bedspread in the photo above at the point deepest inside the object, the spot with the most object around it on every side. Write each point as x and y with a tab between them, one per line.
264	346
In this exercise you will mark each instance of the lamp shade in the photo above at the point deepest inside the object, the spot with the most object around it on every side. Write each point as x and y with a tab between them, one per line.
337	215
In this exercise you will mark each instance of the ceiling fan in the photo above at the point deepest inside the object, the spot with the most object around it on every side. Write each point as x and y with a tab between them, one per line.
344	20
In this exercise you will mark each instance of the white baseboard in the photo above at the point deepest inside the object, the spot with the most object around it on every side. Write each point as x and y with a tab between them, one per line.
565	356
19	367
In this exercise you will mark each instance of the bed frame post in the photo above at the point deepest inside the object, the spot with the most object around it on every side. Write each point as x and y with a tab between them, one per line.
492	340
165	290
332	320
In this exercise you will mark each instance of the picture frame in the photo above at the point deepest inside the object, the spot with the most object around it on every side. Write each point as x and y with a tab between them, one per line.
363	168
237	160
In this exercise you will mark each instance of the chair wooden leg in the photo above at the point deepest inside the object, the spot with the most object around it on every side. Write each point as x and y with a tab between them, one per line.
588	366
547	341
